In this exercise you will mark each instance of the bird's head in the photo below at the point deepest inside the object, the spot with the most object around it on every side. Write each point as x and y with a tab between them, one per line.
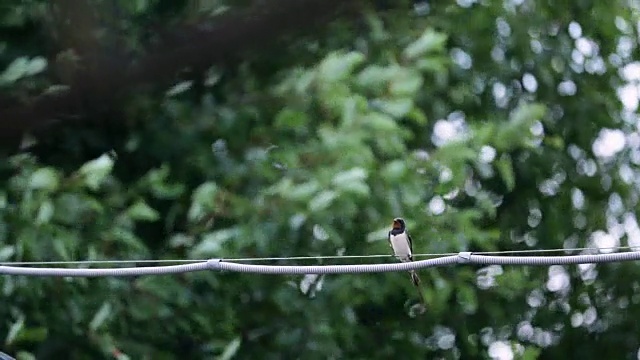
398	223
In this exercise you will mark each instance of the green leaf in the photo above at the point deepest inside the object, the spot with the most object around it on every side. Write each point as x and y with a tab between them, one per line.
16	70
203	201
527	114
96	171
380	122
432	65
33	334
211	243
391	145
303	191
350	111
128	238
6	252
61	249
352	181
122	356
135	6
375	77
418	116
337	66
516	132
37	65
14	330
395	170
395	107
142	212
181	240
45	178
334	97
322	201
73	208
298	84
505	168
378	235
484	133
531	353
357	188
556	142
430	41
156	180
168	290
100	316
467	299
455	152
231	349
45	212
291	119
356	174
179	88
406	83
23	355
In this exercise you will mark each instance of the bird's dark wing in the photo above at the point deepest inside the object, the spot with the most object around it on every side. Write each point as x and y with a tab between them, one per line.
410	242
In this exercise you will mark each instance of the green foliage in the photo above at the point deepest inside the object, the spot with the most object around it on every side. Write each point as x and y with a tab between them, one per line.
481	124
22	67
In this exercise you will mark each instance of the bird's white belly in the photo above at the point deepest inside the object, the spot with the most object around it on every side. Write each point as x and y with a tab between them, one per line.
400	245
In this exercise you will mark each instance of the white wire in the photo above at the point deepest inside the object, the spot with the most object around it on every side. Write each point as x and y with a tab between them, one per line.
4	356
114	272
529	251
218	264
461	258
98	262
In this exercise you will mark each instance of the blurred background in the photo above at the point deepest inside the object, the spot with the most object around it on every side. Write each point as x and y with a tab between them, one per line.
192	129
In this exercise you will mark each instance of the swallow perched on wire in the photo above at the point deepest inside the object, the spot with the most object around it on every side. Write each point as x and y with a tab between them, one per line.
402	246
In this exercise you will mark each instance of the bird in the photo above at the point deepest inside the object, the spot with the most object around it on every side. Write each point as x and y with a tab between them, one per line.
401	243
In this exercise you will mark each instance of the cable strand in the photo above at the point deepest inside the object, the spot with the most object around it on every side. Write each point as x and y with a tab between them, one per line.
320	257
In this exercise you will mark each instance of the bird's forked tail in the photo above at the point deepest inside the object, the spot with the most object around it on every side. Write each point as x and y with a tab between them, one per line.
416	282
414	278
